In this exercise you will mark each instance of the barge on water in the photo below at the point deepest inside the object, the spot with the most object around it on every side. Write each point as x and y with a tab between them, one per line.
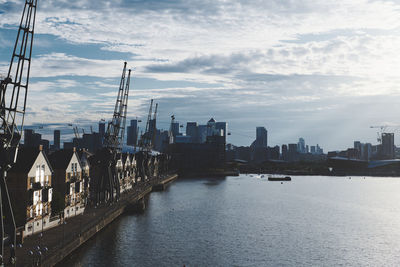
279	178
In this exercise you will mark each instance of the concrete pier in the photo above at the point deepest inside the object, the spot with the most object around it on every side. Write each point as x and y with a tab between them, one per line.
64	239
163	184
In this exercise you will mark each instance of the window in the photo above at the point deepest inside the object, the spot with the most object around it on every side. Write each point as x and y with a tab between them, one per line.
35	197
72	167
42	175
37	173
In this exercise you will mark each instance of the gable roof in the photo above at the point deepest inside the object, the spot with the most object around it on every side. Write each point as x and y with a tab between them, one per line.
124	157
61	158
84	156
26	157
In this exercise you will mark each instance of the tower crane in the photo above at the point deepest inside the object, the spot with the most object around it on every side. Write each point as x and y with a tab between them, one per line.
146	137
105	160
379	134
13	97
154	126
383	129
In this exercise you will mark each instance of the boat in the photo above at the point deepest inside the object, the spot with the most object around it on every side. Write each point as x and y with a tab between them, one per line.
279	178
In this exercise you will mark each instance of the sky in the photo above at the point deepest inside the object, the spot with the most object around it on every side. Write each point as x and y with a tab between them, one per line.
322	70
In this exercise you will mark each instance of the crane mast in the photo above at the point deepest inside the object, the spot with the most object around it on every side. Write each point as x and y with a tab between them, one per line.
154	126
146	138
112	136
113	140
13	96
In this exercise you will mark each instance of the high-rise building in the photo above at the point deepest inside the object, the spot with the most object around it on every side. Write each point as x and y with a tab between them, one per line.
388	149
284	152
191	130
367	151
102	129
57	135
261	137
31	139
301	146
222	126
175	128
319	150
358	147
132	133
202	133
292	152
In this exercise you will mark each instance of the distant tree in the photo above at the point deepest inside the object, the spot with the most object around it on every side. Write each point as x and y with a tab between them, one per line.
57	203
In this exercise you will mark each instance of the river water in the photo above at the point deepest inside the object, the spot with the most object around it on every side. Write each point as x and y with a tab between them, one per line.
249	221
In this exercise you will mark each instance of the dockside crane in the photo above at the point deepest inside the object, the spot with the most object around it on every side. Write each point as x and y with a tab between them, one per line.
13	97
154	126
146	137
106	158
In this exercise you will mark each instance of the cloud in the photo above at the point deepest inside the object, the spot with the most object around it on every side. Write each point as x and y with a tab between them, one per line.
300	65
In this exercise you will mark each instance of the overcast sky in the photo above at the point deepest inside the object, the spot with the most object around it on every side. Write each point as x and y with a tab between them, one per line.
322	70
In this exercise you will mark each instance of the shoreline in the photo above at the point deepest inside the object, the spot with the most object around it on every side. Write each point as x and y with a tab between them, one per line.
62	240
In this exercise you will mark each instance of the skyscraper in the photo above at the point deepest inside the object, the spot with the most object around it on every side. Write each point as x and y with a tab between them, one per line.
202	133
284	152
132	133
31	139
301	146
261	137
175	128
388	145
191	130
224	127
57	135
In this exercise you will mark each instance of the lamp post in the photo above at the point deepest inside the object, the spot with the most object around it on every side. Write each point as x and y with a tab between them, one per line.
30	254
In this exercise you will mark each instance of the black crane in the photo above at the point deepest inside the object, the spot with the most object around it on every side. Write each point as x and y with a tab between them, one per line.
105	159
13	96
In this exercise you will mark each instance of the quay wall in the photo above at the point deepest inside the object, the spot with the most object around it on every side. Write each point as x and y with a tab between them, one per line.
113	213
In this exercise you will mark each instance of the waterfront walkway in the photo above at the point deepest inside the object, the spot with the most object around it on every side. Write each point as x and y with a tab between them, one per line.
54	244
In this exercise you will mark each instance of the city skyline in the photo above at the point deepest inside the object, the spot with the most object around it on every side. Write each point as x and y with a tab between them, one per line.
298	68
67	133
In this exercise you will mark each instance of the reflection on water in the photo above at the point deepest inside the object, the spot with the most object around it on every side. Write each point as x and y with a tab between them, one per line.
248	221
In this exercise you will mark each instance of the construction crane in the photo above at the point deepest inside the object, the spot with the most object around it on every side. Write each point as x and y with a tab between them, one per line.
13	97
383	129
76	131
154	126
106	158
146	137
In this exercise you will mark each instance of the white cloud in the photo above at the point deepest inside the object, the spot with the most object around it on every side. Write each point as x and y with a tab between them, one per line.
265	55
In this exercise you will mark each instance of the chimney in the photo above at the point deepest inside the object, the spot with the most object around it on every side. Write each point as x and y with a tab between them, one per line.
74	149
41	148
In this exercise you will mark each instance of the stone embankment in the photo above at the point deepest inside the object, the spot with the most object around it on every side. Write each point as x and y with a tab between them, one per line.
53	245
